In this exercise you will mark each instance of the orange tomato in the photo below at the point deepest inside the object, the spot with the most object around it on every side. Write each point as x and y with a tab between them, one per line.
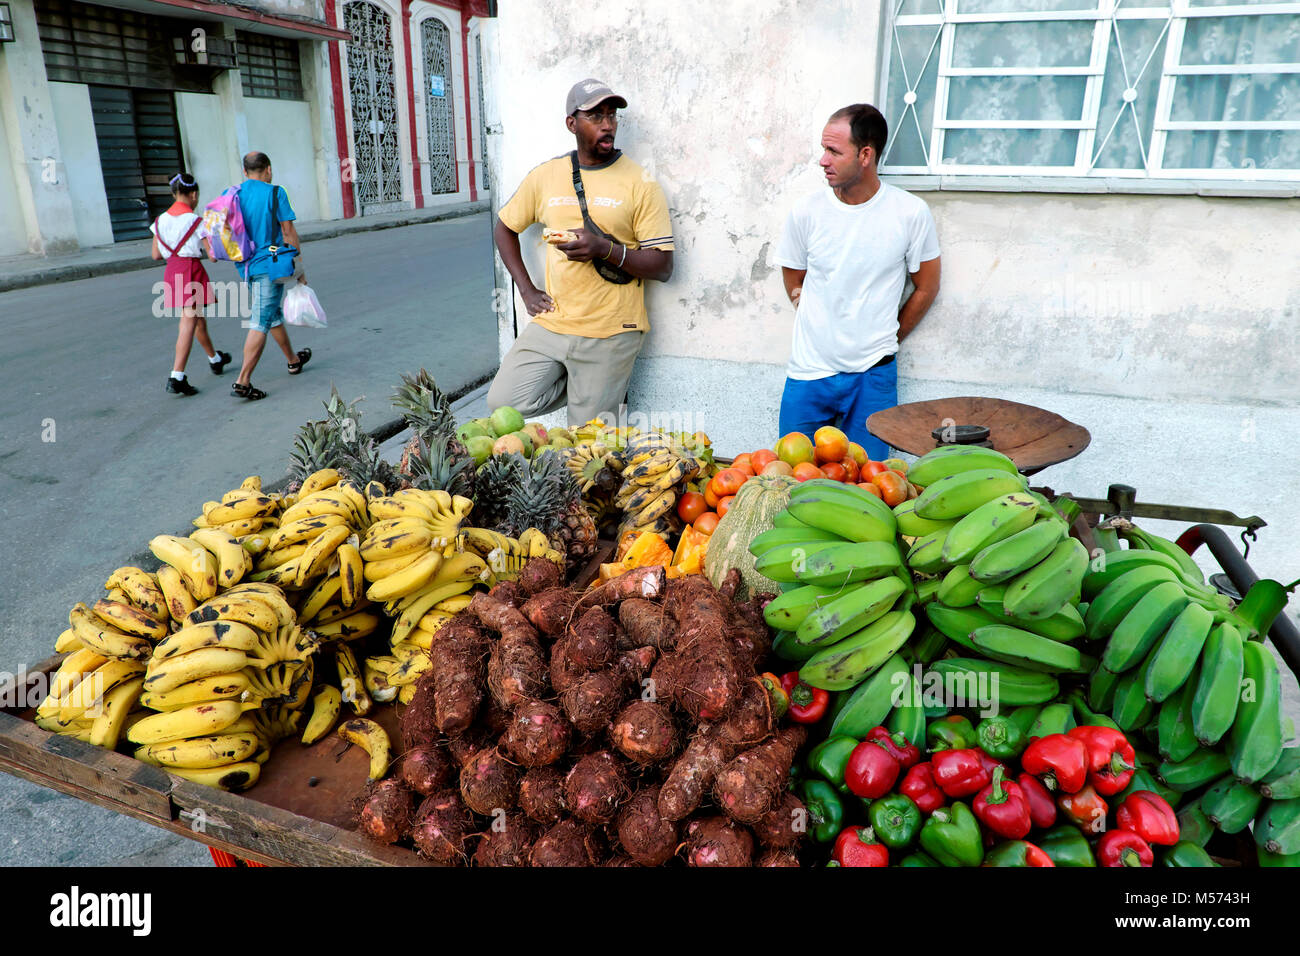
725	504
705	523
873	468
893	487
795	448
835	471
857	453
806	470
912	491
710	497
868	486
727	482
762	458
851	470
829	444
690	506
897	464
778	468
742	462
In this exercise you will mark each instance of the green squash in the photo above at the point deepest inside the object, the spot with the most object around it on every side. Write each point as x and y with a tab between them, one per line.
752	511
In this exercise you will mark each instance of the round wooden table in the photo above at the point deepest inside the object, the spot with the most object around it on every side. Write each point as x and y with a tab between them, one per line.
1032	437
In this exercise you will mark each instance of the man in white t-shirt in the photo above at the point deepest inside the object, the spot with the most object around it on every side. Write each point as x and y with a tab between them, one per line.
845	254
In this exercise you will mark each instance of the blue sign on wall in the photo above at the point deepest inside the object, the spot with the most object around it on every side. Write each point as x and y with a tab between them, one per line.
438	85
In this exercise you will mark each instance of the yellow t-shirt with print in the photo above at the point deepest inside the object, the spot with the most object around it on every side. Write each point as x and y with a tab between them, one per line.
622	201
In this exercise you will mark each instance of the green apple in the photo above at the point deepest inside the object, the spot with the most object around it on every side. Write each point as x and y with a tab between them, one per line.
505	421
472	429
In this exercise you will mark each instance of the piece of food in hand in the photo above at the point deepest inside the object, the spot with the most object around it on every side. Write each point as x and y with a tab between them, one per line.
557	236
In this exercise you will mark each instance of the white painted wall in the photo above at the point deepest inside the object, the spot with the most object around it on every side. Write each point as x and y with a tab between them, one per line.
208	139
283	130
13	234
80	149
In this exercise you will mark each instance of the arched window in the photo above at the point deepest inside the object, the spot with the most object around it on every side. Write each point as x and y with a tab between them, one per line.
373	91
436	42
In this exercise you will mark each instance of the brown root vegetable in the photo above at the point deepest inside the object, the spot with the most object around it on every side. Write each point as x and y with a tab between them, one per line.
717	841
644	732
568	843
538	575
489	782
440	828
465	746
784	825
496	615
419	721
749	645
665	678
590	645
775	857
509	592
752	783
730	584
549	610
385	811
458	660
647	582
516	670
750	722
565	673
647	837
507	842
620	860
538	735
592	703
637	663
646	623
427	769
492	717
693	774
708	678
541	795
595	787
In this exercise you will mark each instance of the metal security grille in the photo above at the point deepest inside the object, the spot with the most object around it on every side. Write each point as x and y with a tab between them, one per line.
269	66
139	152
482	117
436	40
374	105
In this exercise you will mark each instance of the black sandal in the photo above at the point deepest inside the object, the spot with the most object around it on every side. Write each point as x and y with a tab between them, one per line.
247	391
304	356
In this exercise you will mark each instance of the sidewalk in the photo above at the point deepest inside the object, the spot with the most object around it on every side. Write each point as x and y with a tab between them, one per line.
20	272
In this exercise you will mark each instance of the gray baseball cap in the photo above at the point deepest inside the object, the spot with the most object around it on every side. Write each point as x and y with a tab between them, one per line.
587	94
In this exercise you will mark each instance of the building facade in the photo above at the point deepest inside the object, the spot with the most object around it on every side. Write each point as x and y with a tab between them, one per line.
364	106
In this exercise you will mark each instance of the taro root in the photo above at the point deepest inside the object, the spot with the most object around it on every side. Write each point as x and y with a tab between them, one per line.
508	592
693	774
427	769
538	575
636	663
507	842
565	673
516	670
784	825
538	734
493	718
549	610
775	857
489	782
595	786
647	837
644	732
717	841
419	722
495	614
751	720
465	746
458	660
648	582
707	681
592	703
665	677
590	645
385	811
646	623
541	795
441	826
568	843
751	784
620	861
730	584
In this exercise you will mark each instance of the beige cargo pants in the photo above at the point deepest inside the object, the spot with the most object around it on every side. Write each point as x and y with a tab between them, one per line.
544	370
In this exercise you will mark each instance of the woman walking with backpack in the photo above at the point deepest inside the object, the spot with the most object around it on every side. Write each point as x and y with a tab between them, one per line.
186	289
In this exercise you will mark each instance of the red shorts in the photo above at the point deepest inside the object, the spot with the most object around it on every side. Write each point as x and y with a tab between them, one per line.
187	284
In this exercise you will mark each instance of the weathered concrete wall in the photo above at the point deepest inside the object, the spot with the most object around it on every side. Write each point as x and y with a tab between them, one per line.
80	150
282	130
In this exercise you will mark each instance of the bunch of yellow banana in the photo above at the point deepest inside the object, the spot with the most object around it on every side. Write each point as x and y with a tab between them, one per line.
242	512
318	535
92	697
195	568
505	556
655	468
412	546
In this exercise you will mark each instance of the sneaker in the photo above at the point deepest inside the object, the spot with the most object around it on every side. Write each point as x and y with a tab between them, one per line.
181	386
223	359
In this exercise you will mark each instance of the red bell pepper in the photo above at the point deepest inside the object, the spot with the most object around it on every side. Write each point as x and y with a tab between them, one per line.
1085	808
808	704
858	846
907	754
1017	853
1111	760
1061	762
1042	808
992	763
871	770
920	786
1150	816
959	773
1002	807
1124	848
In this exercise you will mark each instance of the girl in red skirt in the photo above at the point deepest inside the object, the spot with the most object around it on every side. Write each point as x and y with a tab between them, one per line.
186	291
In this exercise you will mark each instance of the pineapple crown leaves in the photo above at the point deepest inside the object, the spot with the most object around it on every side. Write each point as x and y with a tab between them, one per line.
441	466
424	406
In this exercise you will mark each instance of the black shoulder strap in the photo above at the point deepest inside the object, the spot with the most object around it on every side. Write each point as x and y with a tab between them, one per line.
582	193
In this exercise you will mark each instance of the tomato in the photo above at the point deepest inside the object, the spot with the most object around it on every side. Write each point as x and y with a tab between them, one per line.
851	470
705	523
710	497
857	453
806	470
897	464
725	504
830	444
873	468
835	471
727	482
794	449
762	458
912	491
893	487
743	462
778	468
690	506
870	487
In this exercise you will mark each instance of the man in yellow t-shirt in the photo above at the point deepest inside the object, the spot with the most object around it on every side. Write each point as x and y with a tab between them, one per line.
587	331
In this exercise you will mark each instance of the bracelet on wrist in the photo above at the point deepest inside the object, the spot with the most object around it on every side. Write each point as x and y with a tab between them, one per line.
611	251
624	257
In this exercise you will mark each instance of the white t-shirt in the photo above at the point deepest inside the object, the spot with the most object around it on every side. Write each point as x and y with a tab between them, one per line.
170	228
858	258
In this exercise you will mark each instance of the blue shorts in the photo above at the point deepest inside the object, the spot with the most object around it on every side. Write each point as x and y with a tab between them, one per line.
267	299
845	400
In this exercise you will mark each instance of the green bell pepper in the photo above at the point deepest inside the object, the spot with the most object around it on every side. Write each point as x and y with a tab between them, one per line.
953	732
1067	846
829	758
1018	853
918	859
952	836
825	810
1001	738
1186	853
896	820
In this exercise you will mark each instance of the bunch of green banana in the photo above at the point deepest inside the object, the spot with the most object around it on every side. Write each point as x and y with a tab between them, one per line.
655	467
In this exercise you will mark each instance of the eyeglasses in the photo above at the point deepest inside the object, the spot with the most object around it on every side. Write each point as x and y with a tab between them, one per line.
595	116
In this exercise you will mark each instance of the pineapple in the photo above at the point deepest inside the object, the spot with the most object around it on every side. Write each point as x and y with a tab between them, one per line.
546	496
440	466
496	480
427	411
316	446
362	463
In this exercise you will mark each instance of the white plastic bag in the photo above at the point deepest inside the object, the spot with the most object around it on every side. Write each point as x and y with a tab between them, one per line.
301	307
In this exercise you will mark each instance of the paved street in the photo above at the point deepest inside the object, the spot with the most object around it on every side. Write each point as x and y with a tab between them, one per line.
95	457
